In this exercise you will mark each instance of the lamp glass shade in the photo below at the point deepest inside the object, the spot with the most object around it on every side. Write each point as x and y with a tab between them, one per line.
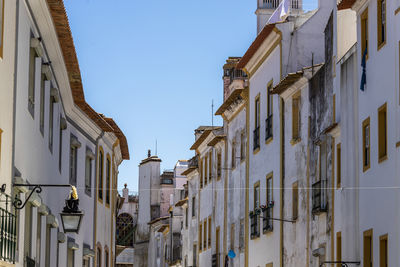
71	221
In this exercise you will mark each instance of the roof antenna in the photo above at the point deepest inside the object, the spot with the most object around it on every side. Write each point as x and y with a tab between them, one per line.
156	147
212	112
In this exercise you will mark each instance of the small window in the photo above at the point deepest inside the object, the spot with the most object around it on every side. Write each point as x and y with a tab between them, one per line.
194	255
42	100
106	258
193	206
60	143
338	248
242	146
381	23
296	117
200	236
209	232
32	73
210	167
98	258
101	173
219	164
382	132
367	248
39	238
366	144
88	174
201	172
364	33
269	98
383	251
1	27
257	195
256	132
295	201
205	235
205	170
73	160
334	101
108	177
338	166
217	236
51	122
233	154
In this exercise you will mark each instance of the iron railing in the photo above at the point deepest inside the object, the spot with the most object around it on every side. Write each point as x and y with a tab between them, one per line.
319	196
273	4
267	220
254	225
8	229
256	138
268	128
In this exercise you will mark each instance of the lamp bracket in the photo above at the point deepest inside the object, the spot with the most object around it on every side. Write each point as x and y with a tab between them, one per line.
18	204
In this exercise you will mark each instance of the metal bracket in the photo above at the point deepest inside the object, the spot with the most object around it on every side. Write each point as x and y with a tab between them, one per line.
343	263
17	203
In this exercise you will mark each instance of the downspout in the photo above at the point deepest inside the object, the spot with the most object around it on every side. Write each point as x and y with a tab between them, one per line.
282	171
95	195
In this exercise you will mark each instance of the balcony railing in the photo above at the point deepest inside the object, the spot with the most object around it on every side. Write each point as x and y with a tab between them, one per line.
268	128
267	220
273	4
319	197
214	260
256	138
235	74
8	226
254	225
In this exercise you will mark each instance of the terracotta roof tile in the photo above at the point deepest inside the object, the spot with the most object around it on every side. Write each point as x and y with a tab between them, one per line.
345	4
121	137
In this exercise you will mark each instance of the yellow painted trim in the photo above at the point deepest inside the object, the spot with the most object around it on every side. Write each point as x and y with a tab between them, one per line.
101	150
368	233
384	157
2	30
246	217
268	53
381	238
364	16
397	11
256	151
338	166
398	144
293	142
267	177
269	140
98	246
339	236
366	123
378	22
109	182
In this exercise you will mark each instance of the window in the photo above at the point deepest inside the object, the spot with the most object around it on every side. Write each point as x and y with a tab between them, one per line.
205	170
106	258
73	155
233	236
338	166
38	238
201	173
186	217
98	258
42	94
242	146
86	262
200	236
334	100
219	163
382	133
205	235
366	144
296	117
31	88
295	201
1	27
383	251
210	167
209	232
108	174
88	172
194	255
268	212
256	195
60	142
381	23
193	206
51	122
338	248
233	155
28	230
367	247
70	258
364	33
48	245
268	121
256	133
217	245
101	173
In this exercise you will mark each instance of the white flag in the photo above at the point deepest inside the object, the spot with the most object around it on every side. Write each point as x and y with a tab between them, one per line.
281	13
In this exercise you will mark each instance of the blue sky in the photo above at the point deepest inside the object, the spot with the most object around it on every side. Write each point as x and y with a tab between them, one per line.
155	67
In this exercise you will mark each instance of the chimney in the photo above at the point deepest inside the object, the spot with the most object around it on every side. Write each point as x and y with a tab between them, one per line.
149	153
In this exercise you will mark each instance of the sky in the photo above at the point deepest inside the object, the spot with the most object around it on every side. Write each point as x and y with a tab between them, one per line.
155	67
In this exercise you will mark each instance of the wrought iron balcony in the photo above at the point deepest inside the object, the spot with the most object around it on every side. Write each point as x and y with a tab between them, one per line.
268	128
8	226
319	197
267	220
273	4
256	138
214	260
254	225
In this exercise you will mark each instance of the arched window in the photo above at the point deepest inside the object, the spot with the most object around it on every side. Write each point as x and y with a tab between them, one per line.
108	174
125	230
98	258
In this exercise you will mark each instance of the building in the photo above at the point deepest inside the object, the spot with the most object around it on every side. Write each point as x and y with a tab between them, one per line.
52	137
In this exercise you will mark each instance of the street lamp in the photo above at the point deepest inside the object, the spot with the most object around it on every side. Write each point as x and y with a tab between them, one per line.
71	216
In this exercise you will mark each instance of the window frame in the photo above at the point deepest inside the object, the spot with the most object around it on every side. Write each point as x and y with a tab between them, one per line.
88	173
364	32
368	234
100	178
51	122
256	187
366	165
205	170
73	161
338	248
296	117
210	167
382	140
108	180
338	165
295	201
32	79
383	261
233	153
209	232
43	82
381	23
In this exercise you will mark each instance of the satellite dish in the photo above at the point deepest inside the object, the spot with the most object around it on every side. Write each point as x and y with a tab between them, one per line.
231	254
